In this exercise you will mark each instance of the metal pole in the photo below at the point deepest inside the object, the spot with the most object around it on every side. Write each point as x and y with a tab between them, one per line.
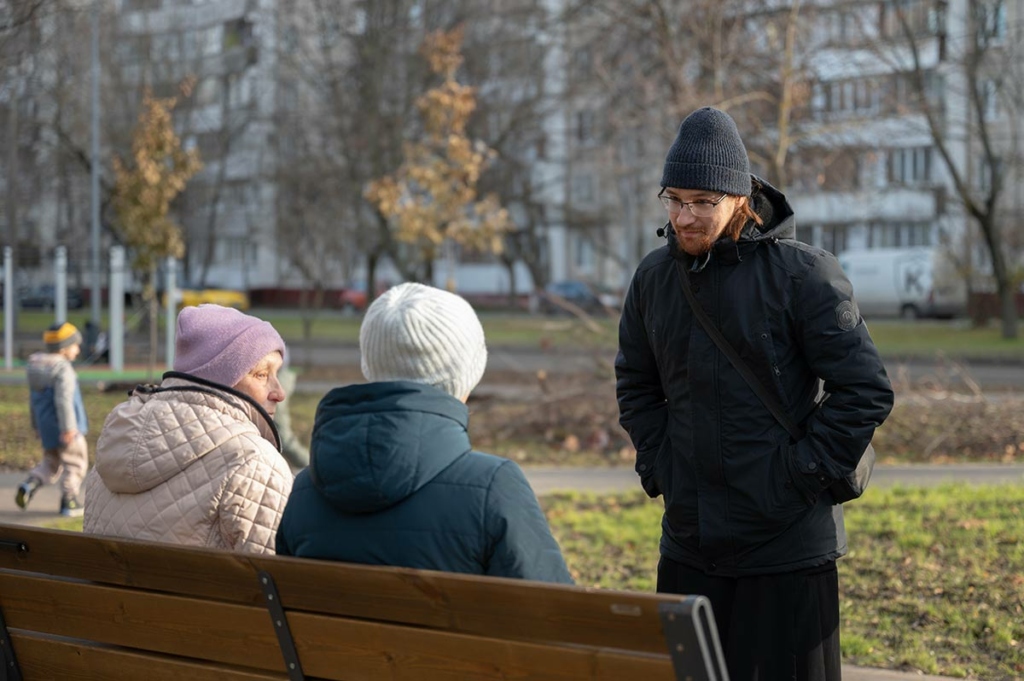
170	305
94	298
60	285
8	308
116	307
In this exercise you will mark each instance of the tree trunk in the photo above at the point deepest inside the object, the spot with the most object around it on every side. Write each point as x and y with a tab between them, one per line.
1005	287
1008	309
371	276
511	265
307	313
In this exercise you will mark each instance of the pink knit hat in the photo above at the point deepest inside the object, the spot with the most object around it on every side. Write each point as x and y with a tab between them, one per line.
221	344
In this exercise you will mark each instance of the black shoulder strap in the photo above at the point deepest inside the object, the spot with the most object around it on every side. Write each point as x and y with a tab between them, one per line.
769	400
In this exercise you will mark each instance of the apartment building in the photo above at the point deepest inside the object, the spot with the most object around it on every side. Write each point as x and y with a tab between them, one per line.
274	91
227	48
887	82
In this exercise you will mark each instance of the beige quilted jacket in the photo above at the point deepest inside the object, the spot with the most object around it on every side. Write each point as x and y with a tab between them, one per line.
190	465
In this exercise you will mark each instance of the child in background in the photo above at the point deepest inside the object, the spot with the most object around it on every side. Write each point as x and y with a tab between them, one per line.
58	418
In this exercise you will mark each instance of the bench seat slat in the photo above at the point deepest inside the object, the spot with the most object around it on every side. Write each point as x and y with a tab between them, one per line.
493	608
45	658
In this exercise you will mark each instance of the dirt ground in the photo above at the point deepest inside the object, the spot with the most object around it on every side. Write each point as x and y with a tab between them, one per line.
575	416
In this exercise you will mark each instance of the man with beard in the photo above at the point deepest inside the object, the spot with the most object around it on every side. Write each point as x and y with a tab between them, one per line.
749	521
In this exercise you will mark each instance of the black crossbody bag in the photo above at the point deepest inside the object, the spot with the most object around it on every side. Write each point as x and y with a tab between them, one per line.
842	490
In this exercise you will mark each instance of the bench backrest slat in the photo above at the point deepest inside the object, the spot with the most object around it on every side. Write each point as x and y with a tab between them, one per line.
221	632
51	658
329	647
345	650
459	603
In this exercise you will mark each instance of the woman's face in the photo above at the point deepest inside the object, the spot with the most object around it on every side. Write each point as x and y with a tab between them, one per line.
261	382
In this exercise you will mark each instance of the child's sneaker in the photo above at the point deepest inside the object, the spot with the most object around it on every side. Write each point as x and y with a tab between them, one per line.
26	491
70	508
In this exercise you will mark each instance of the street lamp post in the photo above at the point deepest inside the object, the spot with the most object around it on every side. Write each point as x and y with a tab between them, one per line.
95	162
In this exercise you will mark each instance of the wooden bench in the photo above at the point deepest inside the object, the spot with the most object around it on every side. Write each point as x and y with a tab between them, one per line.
93	608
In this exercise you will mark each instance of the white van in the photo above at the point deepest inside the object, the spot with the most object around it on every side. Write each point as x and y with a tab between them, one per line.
908	282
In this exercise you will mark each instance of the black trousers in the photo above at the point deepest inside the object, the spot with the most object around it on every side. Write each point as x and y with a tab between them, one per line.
772	627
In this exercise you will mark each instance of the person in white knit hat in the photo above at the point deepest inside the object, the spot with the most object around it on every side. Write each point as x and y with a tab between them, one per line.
393	479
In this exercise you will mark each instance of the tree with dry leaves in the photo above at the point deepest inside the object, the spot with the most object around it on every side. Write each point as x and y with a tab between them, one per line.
432	199
145	186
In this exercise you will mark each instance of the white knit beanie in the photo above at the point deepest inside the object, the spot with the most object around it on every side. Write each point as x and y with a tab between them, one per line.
423	334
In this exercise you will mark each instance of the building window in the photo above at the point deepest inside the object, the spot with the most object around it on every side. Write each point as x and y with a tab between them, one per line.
237	33
289	95
833	238
140	5
207	92
234	249
900	234
911	166
848	97
917	17
585	126
210	40
985	171
583	62
239	92
989	93
823	169
583	254
583	194
990	18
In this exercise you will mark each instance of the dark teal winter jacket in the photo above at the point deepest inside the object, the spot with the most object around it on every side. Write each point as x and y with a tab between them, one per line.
393	480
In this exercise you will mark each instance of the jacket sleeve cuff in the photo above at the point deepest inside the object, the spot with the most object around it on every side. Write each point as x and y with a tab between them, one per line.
645	467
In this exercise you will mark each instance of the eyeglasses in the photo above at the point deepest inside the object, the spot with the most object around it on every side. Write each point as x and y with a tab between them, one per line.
699	209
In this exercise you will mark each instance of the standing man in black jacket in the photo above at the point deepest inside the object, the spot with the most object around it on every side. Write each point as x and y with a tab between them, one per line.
748	521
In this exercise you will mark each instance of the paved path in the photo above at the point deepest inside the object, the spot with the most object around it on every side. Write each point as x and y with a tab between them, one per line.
546	480
550	479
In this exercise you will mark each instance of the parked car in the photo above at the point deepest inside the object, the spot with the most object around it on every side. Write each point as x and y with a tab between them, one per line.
353	297
187	297
588	297
44	297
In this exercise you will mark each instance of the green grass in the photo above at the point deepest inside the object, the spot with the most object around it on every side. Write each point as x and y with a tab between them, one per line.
934	581
516	330
501	330
66	524
956	339
928	339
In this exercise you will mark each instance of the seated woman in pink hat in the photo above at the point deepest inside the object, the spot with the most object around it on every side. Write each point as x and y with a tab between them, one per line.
197	460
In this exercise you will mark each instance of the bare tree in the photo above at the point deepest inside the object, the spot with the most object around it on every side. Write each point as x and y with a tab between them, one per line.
508	63
971	100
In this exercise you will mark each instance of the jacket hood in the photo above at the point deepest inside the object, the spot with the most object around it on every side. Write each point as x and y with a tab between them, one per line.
774	210
375	444
161	430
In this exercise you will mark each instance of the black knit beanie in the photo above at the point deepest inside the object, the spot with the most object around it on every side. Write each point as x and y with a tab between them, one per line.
708	154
